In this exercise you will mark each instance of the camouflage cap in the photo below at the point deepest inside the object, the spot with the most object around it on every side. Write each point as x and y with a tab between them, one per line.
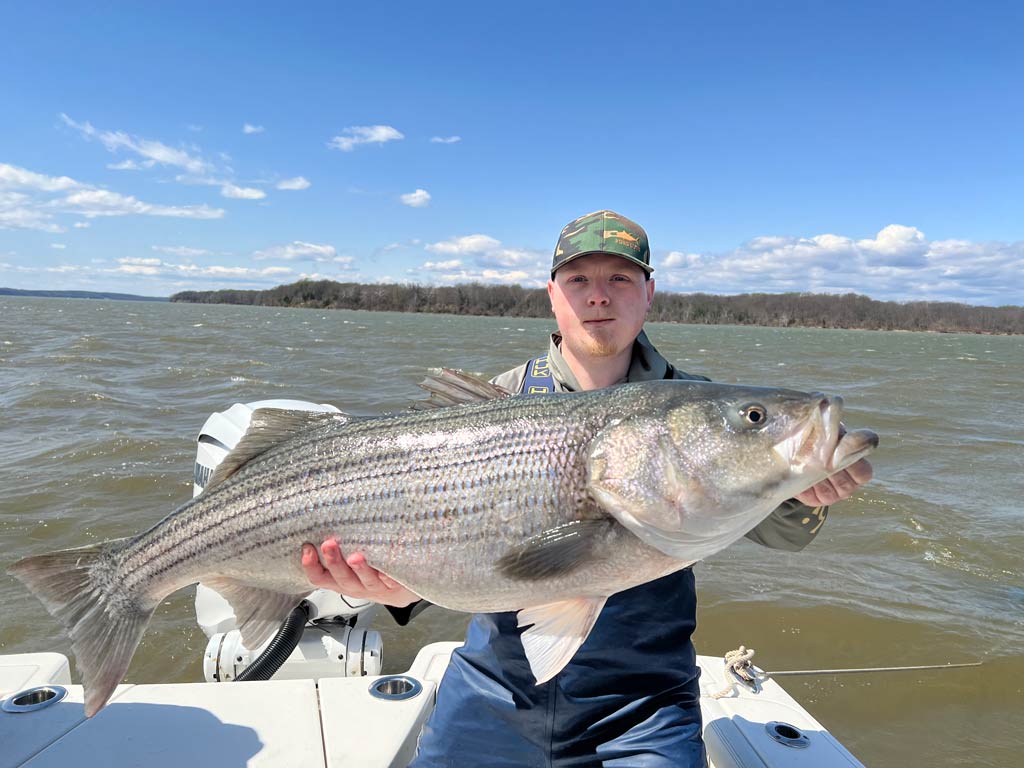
602	232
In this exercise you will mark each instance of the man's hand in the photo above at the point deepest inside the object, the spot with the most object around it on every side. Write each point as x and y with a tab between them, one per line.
354	577
839	486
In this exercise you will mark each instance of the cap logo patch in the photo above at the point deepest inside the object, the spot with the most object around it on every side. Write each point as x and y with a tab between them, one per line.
623	237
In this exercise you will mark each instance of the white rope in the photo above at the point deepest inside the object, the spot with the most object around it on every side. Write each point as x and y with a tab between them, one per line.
738	662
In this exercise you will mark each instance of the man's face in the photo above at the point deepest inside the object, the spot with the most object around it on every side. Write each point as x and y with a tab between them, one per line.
600	302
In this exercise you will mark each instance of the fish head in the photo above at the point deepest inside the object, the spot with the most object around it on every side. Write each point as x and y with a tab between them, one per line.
702	463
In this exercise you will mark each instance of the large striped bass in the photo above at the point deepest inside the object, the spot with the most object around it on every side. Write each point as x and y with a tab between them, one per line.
546	505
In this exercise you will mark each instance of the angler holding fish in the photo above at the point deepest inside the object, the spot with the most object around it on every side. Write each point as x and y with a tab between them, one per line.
685	478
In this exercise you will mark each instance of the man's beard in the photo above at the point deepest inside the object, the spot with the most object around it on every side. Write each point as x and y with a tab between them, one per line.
595	345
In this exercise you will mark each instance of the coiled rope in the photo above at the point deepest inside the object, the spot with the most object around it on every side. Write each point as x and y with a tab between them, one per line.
738	662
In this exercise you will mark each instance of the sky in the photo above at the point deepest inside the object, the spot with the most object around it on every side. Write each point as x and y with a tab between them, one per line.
865	147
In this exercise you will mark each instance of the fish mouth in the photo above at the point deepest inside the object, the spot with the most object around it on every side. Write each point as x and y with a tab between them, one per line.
823	442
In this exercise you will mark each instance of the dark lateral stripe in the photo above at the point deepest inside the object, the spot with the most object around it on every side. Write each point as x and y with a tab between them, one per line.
160	553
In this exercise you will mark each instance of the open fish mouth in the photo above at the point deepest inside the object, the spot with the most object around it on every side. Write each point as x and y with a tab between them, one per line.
823	441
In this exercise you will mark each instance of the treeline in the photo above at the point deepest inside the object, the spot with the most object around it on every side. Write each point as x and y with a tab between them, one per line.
78	295
813	310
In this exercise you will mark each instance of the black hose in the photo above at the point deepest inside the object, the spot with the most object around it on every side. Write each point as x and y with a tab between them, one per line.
280	648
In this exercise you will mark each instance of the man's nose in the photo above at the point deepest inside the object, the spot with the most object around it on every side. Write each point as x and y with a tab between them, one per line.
598	297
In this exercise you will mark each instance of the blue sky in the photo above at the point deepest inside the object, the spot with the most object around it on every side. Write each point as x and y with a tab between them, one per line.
809	146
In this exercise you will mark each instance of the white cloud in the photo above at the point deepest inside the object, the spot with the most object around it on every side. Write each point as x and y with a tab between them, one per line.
58	246
249	128
896	244
299	182
154	151
488	262
242	193
509	277
364	134
182	250
14	215
465	245
192	179
82	225
131	165
19	210
298	250
100	202
898	264
445	139
512	257
418	199
677	259
488	252
13	177
157	267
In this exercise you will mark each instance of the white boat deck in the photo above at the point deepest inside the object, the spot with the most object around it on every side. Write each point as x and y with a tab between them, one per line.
332	722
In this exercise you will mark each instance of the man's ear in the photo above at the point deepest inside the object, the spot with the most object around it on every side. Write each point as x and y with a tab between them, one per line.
551	288
650	292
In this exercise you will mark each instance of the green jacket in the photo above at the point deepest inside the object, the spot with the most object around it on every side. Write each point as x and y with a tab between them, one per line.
792	526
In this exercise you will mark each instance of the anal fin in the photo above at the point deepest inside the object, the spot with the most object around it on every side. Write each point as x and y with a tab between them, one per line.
557	632
258	612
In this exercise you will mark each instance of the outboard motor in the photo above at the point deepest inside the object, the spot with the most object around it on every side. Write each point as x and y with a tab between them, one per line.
342	646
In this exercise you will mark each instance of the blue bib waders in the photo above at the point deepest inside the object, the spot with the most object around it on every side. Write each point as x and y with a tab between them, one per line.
629	698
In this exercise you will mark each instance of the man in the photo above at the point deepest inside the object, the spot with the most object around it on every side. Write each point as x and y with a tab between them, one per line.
629	697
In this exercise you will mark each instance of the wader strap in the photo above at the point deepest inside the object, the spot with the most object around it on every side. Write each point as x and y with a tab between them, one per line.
538	379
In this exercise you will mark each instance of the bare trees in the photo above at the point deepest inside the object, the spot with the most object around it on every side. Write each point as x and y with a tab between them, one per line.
815	310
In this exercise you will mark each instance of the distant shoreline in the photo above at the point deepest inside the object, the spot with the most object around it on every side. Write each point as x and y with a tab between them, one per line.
787	310
784	310
80	295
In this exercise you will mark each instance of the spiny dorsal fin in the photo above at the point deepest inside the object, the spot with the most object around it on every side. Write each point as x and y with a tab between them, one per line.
451	387
267	428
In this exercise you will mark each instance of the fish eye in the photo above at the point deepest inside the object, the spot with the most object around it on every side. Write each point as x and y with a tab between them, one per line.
754	415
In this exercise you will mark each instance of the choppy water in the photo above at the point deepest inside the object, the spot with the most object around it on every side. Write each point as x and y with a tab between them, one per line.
100	403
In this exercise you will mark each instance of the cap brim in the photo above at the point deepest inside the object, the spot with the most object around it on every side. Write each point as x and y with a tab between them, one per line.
645	267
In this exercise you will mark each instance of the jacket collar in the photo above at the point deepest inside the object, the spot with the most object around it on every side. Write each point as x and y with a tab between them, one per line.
647	364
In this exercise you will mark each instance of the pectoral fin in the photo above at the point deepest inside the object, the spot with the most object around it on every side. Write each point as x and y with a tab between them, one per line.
557	632
258	612
554	552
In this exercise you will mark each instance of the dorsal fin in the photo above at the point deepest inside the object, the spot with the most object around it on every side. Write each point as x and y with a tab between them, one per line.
451	387
267	428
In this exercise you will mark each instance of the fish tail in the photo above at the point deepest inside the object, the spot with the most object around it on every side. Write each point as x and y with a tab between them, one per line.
81	589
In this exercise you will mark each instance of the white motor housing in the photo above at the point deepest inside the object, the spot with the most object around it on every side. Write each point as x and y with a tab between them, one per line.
342	651
331	654
224	429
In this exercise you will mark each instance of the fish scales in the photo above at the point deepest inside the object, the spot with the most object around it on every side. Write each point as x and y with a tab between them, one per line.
363	473
546	504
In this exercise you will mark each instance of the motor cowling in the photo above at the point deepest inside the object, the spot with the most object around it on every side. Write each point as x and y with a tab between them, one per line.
342	648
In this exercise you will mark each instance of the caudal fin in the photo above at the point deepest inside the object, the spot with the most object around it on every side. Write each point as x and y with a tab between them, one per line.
79	589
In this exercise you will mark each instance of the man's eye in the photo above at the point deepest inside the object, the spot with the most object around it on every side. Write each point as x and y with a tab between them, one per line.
577	279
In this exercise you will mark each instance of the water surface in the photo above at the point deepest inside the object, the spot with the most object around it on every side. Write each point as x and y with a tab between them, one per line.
101	403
